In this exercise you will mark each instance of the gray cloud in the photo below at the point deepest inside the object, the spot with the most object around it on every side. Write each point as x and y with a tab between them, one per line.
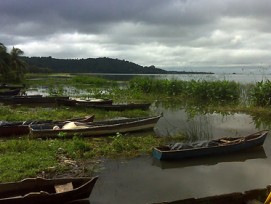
173	33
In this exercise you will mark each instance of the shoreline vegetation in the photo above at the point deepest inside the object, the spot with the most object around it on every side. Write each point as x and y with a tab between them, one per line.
25	157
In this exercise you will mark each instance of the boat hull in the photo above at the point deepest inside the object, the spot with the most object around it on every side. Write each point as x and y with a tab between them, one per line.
71	102
206	151
97	128
122	107
10	92
22	128
38	190
230	198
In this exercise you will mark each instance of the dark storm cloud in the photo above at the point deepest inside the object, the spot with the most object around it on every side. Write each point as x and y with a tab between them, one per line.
165	33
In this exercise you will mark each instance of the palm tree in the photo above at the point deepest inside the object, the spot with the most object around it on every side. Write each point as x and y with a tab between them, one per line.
18	67
4	60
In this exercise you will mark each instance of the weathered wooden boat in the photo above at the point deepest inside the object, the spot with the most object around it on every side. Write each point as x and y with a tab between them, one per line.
254	196
30	100
80	102
94	128
10	92
122	107
39	190
240	156
225	145
9	99
8	128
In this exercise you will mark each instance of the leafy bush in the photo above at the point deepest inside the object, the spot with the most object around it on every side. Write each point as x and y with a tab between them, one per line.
260	94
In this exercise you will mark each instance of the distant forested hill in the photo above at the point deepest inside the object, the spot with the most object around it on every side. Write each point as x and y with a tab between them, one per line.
90	65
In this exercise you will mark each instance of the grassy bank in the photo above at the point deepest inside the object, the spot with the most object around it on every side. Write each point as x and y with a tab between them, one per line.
24	157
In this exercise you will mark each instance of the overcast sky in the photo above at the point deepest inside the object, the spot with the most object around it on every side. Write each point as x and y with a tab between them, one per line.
169	34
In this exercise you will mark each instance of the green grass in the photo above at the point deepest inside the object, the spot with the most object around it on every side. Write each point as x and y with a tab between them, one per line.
20	158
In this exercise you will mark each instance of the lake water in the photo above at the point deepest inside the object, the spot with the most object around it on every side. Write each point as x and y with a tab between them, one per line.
238	77
147	180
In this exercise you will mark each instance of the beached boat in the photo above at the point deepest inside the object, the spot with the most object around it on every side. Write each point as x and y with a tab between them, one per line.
94	128
10	92
255	196
122	107
10	128
9	99
36	99
226	145
39	190
81	102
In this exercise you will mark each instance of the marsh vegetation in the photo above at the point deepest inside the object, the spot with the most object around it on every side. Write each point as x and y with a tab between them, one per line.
25	157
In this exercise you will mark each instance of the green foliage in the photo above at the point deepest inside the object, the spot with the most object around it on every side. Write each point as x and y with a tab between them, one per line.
204	91
12	68
261	93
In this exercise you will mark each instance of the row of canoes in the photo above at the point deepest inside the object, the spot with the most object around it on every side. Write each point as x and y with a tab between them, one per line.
10	94
62	190
105	104
79	126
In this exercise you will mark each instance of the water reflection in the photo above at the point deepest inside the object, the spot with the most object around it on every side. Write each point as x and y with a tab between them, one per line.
203	127
256	153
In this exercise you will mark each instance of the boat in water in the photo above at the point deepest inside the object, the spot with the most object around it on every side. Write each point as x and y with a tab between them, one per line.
226	145
255	196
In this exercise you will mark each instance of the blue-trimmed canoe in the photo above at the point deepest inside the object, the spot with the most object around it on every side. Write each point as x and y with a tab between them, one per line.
224	145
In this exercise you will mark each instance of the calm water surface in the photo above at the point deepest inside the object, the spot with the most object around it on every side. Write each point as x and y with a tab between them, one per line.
238	77
146	180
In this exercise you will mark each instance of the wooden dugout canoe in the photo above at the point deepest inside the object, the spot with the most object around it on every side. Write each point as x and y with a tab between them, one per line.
122	107
8	129
95	128
214	147
254	196
49	191
36	99
10	92
75	102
